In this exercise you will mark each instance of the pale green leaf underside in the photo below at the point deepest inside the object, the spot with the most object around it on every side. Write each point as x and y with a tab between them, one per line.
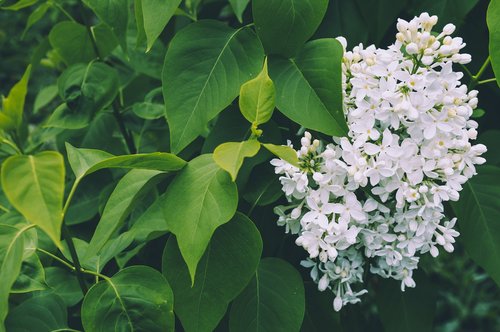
230	156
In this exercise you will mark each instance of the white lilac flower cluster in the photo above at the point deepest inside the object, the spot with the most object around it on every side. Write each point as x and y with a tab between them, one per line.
375	198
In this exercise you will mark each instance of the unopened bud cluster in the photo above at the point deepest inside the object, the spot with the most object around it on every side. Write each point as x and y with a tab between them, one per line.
374	200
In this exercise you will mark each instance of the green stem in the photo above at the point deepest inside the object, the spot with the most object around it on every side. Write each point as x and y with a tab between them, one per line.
123	130
96	274
70	196
60	260
489	80
475	78
89	31
74	256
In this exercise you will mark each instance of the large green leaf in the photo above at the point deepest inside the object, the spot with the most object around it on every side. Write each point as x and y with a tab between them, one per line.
12	241
205	66
285	25
72	42
11	115
493	20
258	98
273	301
42	313
137	298
477	212
34	185
114	13
119	205
309	87
226	268
155	16
408	311
230	156
201	198
87	161
86	89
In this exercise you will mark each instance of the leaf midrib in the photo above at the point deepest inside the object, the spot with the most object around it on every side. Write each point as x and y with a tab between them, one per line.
209	77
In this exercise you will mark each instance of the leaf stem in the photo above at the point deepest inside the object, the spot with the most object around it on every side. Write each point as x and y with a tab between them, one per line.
60	260
70	196
58	6
74	256
475	78
97	274
489	80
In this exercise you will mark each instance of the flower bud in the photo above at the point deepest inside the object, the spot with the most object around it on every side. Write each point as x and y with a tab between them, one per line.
449	29
337	303
412	48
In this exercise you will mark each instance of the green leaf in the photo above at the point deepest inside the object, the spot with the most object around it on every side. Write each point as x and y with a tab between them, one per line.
34	185
273	301
64	284
11	256
137	298
309	87
72	42
32	276
151	224
408	311
36	16
21	4
205	66
285	25
229	156
156	14
493	20
114	13
284	152
239	7
11	115
477	213
201	198
119	205
86	161
257	98
148	111
225	269
42	313
44	97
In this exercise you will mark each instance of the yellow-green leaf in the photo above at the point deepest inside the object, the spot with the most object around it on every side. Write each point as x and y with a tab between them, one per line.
284	152
11	116
229	156
257	98
34	185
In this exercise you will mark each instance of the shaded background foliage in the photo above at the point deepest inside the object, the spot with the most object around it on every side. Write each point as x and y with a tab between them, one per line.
466	298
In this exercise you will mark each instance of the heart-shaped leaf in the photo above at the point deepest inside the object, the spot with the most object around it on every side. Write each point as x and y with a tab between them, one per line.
226	268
